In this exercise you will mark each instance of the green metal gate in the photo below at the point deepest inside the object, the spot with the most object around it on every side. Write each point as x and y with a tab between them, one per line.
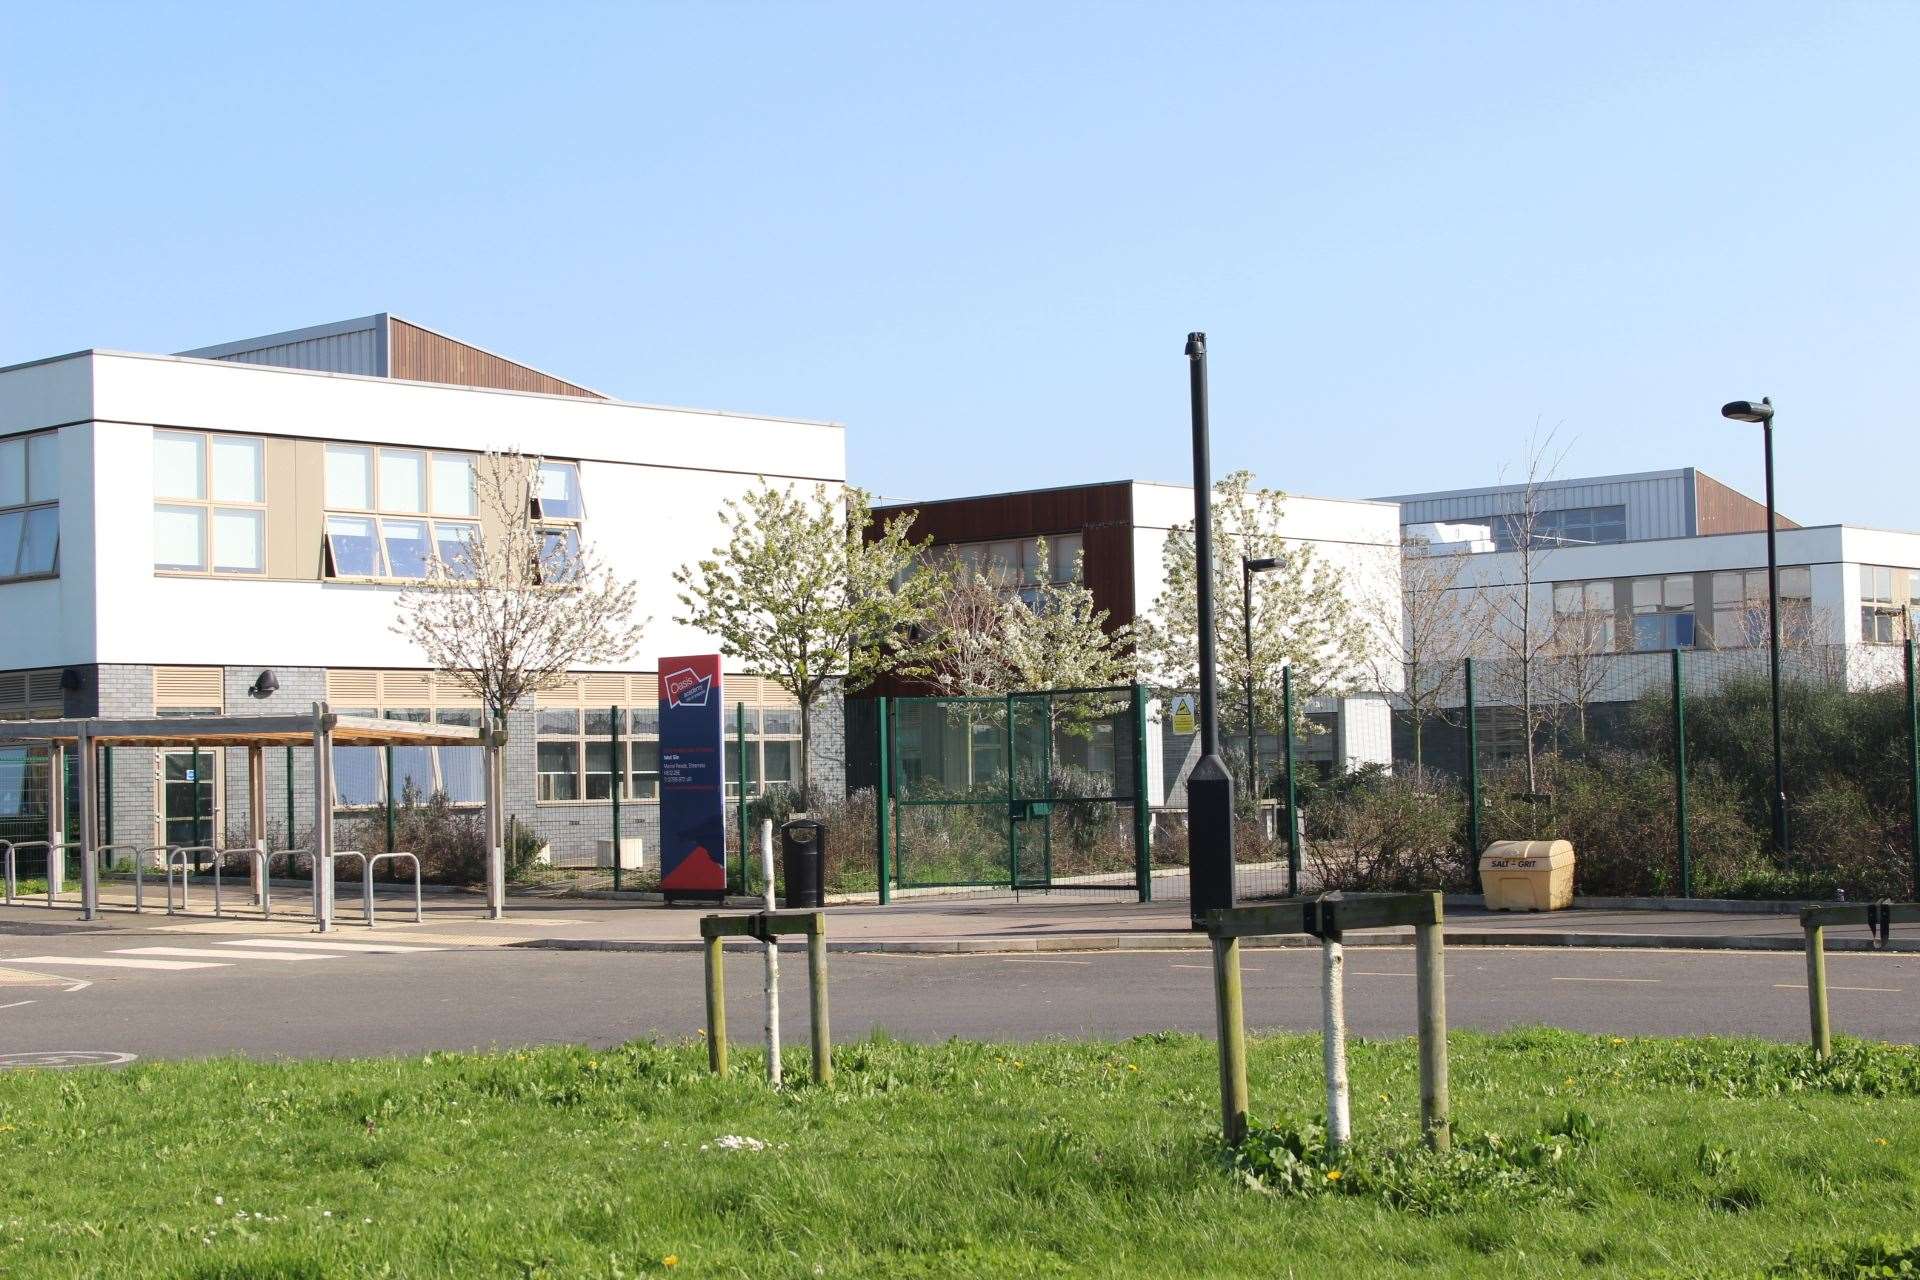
1030	791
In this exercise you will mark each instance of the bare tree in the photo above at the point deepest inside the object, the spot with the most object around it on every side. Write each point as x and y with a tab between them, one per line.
1425	621
1579	658
966	626
513	607
1520	630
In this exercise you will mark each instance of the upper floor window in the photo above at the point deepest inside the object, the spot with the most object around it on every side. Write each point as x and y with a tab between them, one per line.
1584	617
391	512
30	506
1017	565
1740	605
1566	527
556	492
209	503
1889	604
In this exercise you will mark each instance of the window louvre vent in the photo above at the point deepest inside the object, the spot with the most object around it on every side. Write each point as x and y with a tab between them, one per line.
187	689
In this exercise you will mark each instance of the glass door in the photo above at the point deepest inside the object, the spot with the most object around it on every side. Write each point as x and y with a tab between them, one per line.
190	803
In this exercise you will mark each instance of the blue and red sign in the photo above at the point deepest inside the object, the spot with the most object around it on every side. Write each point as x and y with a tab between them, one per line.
693	780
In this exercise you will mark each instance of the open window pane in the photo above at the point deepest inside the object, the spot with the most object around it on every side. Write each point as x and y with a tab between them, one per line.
350	476
238	541
11	523
412	770
352	547
179	465
13	472
179	538
40	542
453	485
403	480
463	774
407	547
43	468
558	488
558	764
357	776
457	546
237	462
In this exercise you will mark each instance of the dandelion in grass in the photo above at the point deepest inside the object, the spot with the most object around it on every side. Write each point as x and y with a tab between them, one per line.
671	1260
1333	1175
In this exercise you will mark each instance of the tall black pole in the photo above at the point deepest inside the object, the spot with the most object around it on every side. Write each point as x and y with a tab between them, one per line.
1209	786
1781	845
1253	736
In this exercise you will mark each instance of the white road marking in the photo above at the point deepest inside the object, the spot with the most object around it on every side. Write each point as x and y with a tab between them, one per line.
16	1004
379	948
1558	979
250	953
1801	986
108	962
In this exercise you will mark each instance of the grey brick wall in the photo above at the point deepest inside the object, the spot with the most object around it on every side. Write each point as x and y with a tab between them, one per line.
827	751
571	829
120	690
300	688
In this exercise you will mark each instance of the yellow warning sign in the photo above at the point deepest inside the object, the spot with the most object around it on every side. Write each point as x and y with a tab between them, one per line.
1183	721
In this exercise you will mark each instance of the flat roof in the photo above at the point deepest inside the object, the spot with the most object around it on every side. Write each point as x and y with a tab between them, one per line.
239	731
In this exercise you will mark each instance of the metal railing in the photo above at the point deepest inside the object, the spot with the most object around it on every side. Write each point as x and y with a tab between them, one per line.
179	853
367	866
139	856
12	868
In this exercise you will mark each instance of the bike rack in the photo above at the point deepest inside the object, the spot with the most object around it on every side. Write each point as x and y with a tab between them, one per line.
138	854
346	853
367	865
13	876
260	858
180	852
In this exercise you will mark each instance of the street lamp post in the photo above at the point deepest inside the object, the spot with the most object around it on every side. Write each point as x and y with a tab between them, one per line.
1249	567
1762	413
1209	786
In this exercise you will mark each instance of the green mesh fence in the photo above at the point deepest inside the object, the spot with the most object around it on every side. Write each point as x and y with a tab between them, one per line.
1027	791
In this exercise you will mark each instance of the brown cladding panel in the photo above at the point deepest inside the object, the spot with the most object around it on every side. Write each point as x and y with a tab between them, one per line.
1102	513
1722	509
420	355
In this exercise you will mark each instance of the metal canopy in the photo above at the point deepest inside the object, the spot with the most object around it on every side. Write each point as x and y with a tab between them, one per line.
241	731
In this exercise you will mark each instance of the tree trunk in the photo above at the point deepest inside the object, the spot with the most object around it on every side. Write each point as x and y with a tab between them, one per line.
1419	764
802	784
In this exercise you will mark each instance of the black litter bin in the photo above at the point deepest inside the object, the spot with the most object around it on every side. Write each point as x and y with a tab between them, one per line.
803	846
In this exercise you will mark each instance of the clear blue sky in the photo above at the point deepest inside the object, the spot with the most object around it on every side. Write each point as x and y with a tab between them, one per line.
978	236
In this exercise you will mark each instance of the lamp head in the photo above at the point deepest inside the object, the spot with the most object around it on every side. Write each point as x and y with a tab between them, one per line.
1748	410
1261	565
1196	345
265	685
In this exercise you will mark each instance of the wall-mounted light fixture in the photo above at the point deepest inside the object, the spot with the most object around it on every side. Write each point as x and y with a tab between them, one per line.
265	685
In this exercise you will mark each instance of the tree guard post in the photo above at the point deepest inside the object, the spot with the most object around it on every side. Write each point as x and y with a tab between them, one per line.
1817	990
1230	1016
1430	981
767	926
716	1008
1328	918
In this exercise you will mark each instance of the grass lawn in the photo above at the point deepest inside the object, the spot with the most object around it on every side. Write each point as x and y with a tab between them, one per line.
1614	1157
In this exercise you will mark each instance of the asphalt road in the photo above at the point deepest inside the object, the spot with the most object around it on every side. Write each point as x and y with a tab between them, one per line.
259	997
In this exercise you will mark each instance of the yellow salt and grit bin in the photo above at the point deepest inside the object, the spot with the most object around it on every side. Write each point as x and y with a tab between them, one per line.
1527	875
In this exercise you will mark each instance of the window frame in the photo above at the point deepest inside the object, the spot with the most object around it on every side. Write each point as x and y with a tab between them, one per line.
377	511
209	507
32	503
640	742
